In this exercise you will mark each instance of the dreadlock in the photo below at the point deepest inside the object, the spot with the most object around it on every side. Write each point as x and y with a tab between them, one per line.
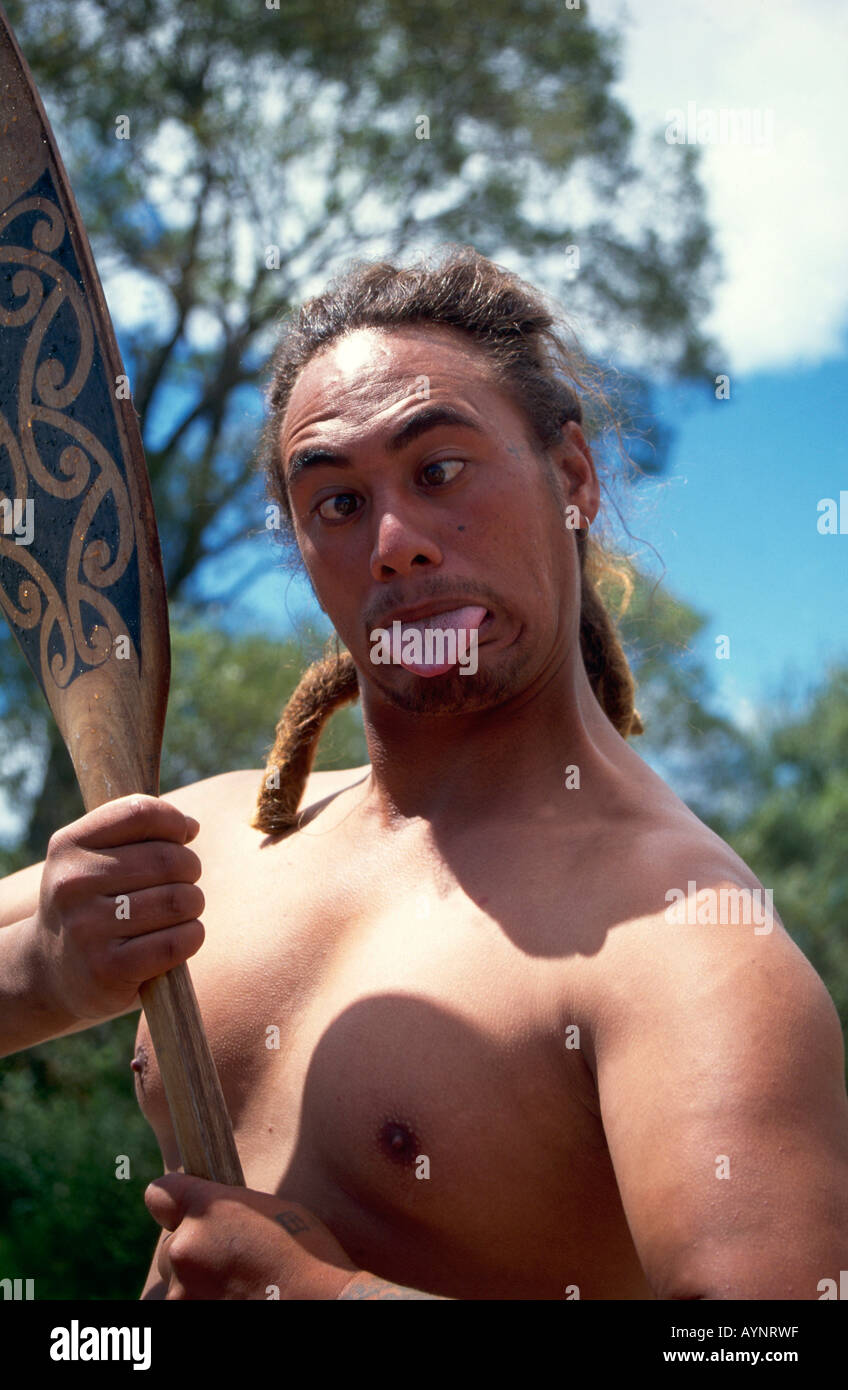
534	358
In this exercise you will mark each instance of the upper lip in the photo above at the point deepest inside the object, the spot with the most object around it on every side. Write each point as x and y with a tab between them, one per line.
428	608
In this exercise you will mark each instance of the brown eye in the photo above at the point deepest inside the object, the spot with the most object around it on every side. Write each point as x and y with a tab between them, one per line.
338	507
442	471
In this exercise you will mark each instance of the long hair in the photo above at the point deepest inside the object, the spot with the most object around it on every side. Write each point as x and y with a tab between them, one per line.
533	357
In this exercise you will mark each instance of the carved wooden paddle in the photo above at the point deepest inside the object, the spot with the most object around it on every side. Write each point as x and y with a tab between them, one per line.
81	579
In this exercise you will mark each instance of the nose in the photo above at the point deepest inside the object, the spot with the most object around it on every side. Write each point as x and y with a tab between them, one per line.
400	544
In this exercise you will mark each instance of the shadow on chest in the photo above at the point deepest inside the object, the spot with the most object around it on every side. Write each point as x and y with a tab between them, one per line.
408	1102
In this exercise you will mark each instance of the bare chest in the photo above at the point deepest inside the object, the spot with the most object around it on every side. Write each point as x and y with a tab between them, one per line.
405	1074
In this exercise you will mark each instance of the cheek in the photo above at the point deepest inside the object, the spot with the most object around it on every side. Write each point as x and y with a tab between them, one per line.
318	553
517	526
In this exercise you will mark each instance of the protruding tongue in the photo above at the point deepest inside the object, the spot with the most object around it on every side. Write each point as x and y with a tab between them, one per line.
459	620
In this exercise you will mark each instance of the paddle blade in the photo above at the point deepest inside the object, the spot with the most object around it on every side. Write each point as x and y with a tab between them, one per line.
81	579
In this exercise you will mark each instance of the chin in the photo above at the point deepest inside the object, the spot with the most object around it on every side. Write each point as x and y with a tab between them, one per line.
452	693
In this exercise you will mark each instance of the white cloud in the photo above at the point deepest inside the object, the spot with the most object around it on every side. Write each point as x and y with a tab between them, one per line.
779	214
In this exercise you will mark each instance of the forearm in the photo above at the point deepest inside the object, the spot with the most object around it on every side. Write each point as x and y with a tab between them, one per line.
363	1285
27	1016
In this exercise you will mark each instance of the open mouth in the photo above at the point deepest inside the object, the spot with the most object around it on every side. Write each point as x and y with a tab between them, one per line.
432	644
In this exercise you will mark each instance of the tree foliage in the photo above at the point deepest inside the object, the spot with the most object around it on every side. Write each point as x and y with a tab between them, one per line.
795	835
296	128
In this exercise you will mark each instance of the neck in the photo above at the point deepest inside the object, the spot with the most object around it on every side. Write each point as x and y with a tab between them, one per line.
510	760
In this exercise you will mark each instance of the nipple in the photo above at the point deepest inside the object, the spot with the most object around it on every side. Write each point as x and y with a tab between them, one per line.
138	1064
398	1142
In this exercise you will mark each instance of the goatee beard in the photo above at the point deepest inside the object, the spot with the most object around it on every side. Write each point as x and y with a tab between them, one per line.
452	693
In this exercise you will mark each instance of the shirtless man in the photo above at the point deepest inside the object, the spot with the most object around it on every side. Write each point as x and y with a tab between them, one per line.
503	1072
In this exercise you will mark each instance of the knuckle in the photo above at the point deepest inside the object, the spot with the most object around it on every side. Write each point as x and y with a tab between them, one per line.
170	951
184	1253
181	902
64	887
177	1250
161	860
56	843
173	902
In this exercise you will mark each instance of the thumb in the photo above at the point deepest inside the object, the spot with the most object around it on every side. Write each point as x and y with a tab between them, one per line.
168	1198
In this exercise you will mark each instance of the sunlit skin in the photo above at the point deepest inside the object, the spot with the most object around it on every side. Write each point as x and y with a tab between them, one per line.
459	955
446	915
457	511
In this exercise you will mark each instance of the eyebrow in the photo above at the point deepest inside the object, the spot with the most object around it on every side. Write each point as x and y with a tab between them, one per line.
432	417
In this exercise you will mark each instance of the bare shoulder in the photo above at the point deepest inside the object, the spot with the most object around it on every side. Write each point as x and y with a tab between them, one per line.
229	800
699	943
223	806
717	1054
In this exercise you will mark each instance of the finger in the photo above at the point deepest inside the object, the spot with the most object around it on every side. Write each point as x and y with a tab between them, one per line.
163	1259
150	909
176	1195
174	1289
164	1200
129	868
128	819
152	954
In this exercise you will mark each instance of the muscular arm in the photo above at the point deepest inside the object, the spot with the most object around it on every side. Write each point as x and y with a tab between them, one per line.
26	1017
720	1072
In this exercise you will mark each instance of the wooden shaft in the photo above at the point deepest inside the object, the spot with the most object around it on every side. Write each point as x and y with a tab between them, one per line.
195	1099
119	767
106	683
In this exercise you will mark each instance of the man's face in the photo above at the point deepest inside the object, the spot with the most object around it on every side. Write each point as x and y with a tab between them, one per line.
414	485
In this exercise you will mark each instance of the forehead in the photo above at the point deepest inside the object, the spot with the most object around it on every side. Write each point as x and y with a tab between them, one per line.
370	374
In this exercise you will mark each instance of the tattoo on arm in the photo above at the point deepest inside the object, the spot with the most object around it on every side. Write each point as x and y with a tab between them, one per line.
369	1286
293	1222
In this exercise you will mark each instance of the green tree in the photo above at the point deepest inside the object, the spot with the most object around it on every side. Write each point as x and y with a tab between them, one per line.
303	129
228	694
67	1219
704	756
795	836
299	129
68	1107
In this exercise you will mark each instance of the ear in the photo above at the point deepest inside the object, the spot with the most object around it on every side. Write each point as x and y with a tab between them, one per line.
573	462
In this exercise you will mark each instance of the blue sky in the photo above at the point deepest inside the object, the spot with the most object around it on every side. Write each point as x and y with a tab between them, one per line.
734	518
735	522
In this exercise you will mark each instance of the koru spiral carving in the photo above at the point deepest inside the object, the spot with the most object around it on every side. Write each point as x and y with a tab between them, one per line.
66	614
